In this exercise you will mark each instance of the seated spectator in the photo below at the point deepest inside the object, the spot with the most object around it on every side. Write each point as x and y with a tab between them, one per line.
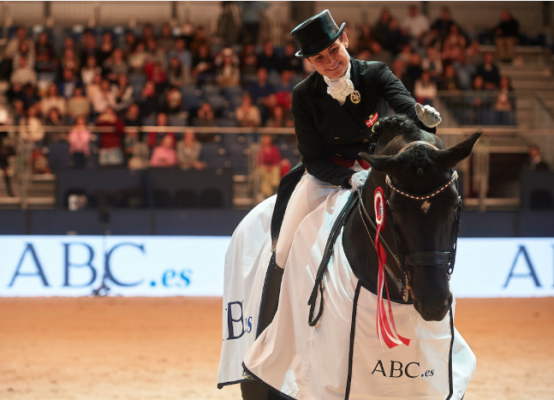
69	84
399	70
69	60
178	74
291	62
137	59
132	117
464	69
19	111
474	53
377	53
506	36
52	100
365	38
129	44
94	87
269	166
432	64
415	23
413	71
140	153
504	100
115	66
78	105
155	73
29	96
79	143
148	101
443	23
489	71
449	80
155	55
44	53
268	59
278	119
188	152
13	44
89	49
106	48
164	155
203	65
154	138
260	89
148	32
173	102
110	142
23	74
205	115
454	38
228	73
181	53
425	89
166	42
123	93
249	62
54	119
381	29
199	39
396	40
31	128
23	51
248	115
536	161
104	98
477	99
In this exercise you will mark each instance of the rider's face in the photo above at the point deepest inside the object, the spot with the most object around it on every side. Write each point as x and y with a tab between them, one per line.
333	61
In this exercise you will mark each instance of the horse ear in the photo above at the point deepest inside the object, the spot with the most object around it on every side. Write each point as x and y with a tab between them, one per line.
452	156
386	164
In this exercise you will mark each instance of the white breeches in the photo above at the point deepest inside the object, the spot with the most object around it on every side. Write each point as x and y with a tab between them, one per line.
309	193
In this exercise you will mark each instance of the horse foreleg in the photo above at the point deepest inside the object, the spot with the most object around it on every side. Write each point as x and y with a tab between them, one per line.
256	390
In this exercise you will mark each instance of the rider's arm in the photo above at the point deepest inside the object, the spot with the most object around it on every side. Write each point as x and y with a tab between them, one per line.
397	96
310	146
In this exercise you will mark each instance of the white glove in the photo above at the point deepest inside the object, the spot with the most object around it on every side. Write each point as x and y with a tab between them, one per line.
428	115
358	179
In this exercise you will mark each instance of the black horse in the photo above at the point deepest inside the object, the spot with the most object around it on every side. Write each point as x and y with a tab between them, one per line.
423	210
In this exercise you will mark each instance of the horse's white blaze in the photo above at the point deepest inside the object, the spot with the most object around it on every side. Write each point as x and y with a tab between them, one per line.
425	206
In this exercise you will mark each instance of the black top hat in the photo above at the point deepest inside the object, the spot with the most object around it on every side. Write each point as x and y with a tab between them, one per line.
316	34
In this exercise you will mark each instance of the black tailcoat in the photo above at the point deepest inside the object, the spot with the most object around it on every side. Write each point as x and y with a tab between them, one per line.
326	129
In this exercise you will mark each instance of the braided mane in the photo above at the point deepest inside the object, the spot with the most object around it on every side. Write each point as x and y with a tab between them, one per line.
401	124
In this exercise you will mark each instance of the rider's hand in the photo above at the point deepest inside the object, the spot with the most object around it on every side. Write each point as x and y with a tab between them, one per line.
358	179
428	115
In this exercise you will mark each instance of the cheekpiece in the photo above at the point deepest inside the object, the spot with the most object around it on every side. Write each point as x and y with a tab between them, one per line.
316	34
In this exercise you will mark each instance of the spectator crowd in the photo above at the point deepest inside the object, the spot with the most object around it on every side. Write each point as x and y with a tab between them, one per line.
164	76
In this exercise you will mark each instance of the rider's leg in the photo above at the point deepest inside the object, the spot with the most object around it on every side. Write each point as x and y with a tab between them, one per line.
308	195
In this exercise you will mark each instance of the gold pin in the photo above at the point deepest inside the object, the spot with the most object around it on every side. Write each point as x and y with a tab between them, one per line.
373	127
355	97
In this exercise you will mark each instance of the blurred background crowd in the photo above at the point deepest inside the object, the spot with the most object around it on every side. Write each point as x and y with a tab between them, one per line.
73	95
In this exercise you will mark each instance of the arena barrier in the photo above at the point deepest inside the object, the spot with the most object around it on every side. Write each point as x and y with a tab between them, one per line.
193	266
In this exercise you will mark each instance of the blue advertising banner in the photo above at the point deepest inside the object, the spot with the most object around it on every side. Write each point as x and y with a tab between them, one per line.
193	266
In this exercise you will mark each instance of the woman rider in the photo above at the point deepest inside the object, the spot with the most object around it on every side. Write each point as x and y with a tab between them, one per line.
334	109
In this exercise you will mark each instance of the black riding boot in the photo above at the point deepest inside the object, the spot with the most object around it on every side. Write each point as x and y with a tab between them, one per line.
255	390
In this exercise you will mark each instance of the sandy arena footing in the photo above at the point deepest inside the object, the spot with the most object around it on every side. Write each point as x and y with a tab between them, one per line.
168	348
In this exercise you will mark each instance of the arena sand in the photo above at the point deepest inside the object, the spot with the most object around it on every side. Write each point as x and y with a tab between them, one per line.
168	348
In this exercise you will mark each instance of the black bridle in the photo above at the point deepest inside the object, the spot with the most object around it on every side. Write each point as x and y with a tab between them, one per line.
422	258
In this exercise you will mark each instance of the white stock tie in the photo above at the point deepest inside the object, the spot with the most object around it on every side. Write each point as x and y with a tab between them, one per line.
340	88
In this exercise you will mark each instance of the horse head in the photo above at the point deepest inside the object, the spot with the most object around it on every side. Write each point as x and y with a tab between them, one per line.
423	207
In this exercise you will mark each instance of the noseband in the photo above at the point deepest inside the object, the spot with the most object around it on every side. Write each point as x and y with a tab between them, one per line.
423	258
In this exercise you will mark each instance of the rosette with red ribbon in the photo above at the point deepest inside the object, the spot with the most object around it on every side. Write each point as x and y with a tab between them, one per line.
386	329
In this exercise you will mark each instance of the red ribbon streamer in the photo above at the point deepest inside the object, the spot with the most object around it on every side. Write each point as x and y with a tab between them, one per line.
385	331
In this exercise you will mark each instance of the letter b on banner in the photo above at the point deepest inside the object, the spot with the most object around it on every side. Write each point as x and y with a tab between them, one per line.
237	312
68	264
